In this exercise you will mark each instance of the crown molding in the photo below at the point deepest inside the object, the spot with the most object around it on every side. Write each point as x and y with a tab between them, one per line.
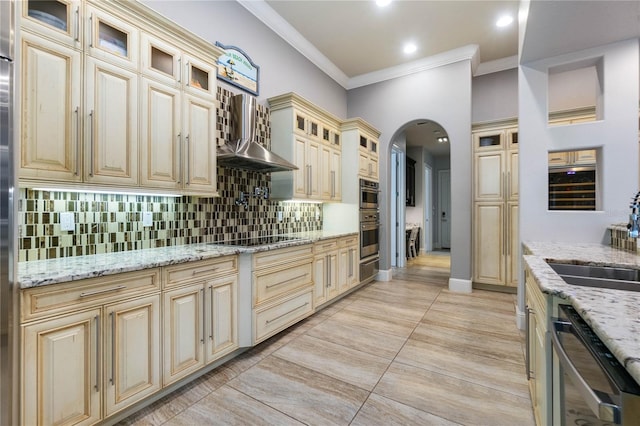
265	13
498	65
468	52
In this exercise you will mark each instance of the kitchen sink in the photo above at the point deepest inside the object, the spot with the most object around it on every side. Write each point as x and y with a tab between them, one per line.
598	276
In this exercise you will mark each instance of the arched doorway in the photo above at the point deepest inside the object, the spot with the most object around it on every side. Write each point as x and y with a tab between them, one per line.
421	191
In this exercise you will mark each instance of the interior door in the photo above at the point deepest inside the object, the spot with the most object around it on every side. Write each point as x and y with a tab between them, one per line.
444	197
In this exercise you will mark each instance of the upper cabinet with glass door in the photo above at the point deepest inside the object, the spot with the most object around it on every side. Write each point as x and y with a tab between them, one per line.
112	39
55	19
167	63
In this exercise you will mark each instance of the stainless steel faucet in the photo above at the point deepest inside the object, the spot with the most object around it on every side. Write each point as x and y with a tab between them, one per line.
242	200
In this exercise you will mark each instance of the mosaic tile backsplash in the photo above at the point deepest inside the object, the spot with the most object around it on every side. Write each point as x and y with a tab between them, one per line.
113	222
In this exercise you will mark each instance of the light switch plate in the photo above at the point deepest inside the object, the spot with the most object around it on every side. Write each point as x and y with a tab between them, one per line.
66	222
279	216
297	214
147	218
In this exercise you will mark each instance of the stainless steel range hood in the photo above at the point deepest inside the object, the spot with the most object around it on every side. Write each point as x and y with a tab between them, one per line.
243	150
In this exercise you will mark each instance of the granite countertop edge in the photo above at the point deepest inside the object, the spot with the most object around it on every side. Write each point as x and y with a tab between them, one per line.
68	269
614	315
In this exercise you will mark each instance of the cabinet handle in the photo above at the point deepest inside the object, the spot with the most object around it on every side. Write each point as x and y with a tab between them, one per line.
286	313
203	315
77	113
107	290
188	82
113	346
351	263
527	351
211	312
308	179
179	158
97	320
187	178
91	117
91	30
202	271
508	185
287	281
333	183
179	70
77	26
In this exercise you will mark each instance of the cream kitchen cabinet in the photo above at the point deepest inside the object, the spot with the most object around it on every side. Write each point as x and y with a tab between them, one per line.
90	348
200	315
282	289
572	158
308	137
348	263
360	146
495	218
51	115
335	268
538	349
64	139
178	142
96	48
325	271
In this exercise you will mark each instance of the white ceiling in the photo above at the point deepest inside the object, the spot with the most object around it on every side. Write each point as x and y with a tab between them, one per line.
359	37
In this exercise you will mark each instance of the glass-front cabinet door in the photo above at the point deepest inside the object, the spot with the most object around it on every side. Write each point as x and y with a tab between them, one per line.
200	77
161	61
112	39
57	19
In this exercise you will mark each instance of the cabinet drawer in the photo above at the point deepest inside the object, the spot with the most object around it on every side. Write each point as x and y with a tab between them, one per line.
195	271
60	298
272	319
325	245
280	256
348	241
275	282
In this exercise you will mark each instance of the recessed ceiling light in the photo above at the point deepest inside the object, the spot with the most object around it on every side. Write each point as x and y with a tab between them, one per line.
410	48
504	20
383	3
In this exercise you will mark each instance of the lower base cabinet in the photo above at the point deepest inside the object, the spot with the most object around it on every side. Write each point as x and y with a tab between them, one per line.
200	316
72	362
335	268
538	350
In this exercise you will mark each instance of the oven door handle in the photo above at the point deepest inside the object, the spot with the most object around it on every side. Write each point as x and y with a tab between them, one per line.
605	411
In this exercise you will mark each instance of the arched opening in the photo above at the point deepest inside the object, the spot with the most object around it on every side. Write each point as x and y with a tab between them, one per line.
420	193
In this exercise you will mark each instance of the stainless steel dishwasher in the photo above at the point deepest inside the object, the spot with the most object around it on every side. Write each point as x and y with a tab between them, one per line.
590	387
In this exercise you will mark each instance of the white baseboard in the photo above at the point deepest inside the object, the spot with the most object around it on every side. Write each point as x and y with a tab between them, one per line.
385	275
520	319
460	286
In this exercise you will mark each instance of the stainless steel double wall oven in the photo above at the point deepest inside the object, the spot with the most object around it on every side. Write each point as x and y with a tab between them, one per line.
369	229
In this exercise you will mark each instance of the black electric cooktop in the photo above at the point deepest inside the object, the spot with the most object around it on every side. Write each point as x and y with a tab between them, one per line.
258	241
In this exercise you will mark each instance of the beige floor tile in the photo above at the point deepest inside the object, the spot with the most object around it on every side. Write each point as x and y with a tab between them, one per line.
468	318
494	301
301	393
470	341
340	362
490	372
373	321
381	411
363	339
456	400
408	312
227	406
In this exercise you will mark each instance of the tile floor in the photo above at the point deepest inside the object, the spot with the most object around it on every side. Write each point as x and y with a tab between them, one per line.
404	352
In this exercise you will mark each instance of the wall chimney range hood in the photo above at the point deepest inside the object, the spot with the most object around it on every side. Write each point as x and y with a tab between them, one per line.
243	150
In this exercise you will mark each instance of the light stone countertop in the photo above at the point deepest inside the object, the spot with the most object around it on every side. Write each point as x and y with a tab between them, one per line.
613	314
52	271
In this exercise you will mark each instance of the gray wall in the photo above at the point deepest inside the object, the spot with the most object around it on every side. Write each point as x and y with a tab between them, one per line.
495	96
443	95
282	68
